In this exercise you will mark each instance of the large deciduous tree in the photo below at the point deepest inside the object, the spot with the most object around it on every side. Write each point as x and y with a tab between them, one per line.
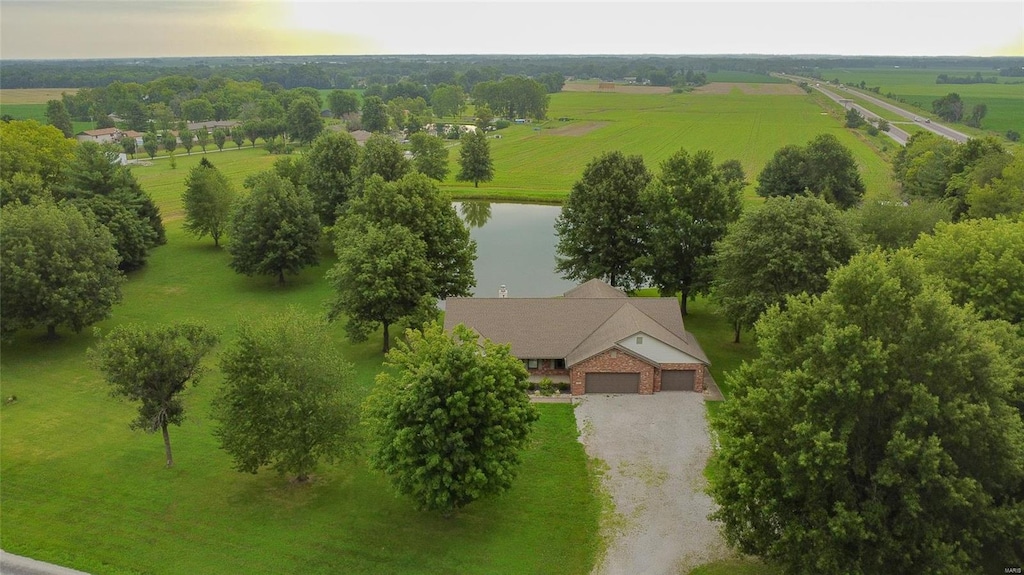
1002	196
949	107
430	156
58	268
980	262
208	199
341	102
450	417
383	156
601	228
688	208
448	100
58	117
785	248
375	114
332	173
475	163
876	432
187	140
152	366
274	229
893	224
382	277
304	121
416	203
32	148
823	168
287	400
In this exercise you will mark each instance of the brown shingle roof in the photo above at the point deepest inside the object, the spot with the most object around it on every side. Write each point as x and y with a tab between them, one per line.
573	327
594	288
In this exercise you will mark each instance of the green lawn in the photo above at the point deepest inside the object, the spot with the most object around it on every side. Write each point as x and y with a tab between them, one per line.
540	162
81	489
37	112
1005	100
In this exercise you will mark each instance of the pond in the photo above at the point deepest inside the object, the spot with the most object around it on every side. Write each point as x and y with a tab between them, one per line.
515	247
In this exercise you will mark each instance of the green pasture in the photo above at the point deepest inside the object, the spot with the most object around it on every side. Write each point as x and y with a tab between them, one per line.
541	161
37	112
1005	100
744	77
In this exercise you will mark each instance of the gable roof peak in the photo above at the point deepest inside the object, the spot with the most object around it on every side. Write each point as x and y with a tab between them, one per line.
594	288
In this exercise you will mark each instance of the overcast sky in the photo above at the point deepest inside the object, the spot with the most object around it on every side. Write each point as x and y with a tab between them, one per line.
149	28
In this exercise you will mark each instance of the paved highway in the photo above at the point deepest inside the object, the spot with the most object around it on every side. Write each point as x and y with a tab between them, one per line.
935	127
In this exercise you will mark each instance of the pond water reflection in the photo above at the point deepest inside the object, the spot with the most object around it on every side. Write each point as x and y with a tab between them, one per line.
515	248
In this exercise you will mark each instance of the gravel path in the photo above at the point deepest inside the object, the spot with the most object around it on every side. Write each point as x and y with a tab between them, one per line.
655	448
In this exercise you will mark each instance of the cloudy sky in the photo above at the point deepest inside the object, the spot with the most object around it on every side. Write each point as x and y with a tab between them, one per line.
153	28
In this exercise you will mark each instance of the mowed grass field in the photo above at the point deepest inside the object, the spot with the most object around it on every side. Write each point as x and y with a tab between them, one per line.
30	104
81	489
1005	100
541	161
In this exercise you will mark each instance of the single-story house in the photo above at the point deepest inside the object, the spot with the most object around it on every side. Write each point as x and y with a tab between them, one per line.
101	136
212	125
595	337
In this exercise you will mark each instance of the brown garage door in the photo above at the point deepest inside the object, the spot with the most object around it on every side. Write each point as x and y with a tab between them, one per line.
678	380
613	383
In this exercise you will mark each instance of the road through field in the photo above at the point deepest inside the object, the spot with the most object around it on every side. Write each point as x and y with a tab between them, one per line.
934	127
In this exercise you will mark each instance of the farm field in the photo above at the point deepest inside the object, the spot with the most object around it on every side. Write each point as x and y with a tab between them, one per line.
918	87
540	162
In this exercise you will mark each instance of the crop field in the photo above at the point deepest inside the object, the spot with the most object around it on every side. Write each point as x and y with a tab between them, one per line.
32	95
1005	100
541	161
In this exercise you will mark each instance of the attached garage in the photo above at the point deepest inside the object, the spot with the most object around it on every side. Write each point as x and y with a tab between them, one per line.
613	383
678	380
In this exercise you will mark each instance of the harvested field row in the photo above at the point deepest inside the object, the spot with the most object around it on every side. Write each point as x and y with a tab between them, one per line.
750	89
32	95
610	88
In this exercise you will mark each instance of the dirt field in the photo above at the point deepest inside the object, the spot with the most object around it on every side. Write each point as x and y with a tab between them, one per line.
32	95
616	89
576	129
752	89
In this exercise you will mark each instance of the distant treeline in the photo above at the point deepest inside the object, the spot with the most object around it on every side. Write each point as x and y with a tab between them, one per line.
975	79
323	72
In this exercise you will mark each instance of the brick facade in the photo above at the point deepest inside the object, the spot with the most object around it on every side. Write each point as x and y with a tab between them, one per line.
619	361
698	378
547	367
612	361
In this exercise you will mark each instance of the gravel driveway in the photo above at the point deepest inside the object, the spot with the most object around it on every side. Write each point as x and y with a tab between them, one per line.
655	448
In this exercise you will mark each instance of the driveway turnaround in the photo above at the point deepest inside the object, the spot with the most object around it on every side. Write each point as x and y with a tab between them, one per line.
655	448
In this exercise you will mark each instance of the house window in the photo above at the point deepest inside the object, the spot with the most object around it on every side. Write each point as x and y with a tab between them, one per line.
559	364
532	364
639	340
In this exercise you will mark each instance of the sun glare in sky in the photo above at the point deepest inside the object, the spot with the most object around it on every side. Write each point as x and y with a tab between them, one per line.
153	28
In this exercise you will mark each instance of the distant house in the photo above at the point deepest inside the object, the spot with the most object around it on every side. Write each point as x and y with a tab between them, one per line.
137	136
594	337
101	136
213	125
361	136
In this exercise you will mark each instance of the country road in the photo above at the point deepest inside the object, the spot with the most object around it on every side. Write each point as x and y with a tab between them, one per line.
894	132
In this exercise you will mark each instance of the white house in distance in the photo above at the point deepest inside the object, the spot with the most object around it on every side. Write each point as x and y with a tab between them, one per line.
101	136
